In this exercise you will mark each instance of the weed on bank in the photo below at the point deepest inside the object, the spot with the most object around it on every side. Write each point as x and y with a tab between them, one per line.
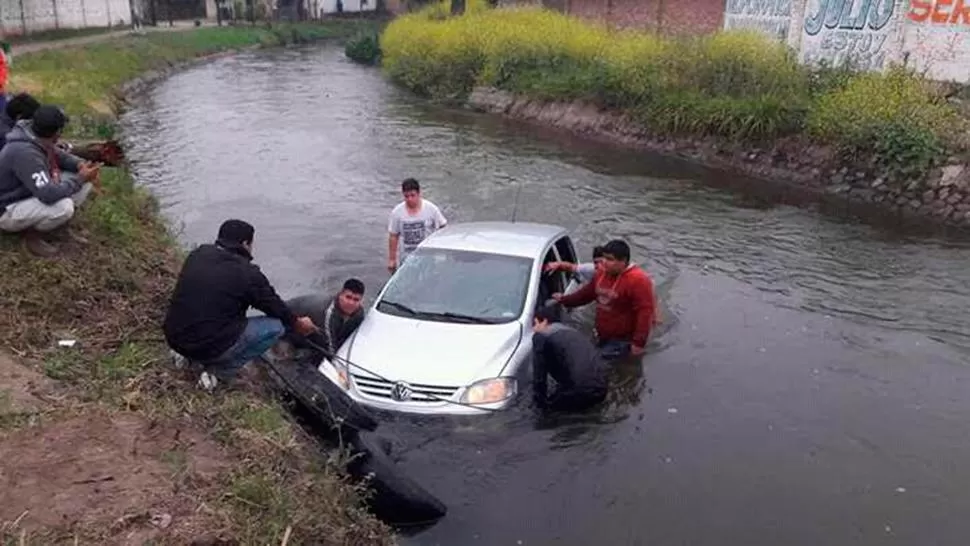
110	297
735	85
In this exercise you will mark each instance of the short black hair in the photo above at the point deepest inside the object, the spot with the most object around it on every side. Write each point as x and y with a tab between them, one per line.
48	120
548	313
410	184
597	251
236	232
21	106
618	249
354	285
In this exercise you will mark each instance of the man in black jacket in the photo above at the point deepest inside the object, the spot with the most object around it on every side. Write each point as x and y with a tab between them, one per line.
206	320
571	359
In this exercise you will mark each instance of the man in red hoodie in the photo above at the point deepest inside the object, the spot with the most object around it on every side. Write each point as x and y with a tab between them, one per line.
625	304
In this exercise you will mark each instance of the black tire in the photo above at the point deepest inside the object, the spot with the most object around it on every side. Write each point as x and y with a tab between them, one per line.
396	499
326	401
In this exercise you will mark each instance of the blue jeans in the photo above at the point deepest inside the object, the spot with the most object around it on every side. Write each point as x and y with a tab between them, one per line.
614	349
260	334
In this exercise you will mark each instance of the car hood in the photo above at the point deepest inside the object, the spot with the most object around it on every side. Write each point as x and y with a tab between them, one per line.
428	352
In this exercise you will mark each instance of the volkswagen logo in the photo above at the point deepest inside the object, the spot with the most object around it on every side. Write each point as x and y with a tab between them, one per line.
401	391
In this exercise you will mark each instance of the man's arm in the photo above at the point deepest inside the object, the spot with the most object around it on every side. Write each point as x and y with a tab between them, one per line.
263	296
643	307
32	171
67	161
394	233
586	294
585	271
439	218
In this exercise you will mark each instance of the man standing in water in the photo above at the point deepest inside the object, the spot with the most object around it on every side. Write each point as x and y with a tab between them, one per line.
624	298
338	318
411	222
569	357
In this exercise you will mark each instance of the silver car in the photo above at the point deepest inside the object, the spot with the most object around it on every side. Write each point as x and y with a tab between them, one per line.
451	331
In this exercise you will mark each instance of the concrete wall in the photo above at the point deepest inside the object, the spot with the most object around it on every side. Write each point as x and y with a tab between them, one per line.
40	15
664	16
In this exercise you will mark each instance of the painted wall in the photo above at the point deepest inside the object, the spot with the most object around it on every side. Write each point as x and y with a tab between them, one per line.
39	15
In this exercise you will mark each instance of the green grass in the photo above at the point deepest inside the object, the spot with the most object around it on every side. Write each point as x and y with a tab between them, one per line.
111	295
738	86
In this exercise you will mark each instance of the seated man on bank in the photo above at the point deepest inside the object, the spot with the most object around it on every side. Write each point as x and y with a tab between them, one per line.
571	359
206	320
337	318
41	185
20	106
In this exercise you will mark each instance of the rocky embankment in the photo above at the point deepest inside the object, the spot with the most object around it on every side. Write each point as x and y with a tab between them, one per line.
942	197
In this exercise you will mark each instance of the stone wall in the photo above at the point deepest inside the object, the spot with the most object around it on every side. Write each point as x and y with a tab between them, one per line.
791	164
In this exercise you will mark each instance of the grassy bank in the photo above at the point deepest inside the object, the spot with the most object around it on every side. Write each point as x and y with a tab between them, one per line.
110	297
737	86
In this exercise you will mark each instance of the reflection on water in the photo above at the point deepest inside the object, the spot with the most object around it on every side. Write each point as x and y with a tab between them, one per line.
808	366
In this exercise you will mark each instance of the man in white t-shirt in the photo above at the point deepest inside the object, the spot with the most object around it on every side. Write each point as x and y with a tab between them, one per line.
411	222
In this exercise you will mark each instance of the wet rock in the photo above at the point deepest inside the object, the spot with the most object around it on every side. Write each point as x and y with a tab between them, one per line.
948	210
963	207
929	196
901	200
943	193
841	188
915	204
954	198
913	185
933	183
837	179
878	183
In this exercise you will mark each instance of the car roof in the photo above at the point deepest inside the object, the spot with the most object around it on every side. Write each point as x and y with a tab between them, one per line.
512	238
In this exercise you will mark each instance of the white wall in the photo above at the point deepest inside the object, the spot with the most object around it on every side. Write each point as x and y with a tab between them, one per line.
330	6
929	35
41	15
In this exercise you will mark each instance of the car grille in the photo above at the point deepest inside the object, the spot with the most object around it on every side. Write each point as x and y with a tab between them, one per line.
420	393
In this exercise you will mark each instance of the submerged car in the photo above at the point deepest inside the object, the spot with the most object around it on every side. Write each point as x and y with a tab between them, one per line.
451	331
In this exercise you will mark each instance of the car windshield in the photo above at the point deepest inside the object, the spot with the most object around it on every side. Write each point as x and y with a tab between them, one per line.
458	286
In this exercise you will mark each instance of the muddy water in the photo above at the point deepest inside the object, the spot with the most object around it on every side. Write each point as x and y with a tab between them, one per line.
810	383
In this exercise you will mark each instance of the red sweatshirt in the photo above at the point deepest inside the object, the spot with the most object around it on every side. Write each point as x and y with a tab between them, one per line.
624	304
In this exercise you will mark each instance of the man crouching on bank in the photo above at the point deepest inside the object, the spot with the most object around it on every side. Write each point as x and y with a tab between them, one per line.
206	321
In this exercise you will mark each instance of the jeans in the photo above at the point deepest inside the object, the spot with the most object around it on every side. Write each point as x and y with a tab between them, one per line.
614	349
260	334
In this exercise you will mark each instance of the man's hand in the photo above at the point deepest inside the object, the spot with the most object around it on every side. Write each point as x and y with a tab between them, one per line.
89	171
305	326
557	296
391	265
637	350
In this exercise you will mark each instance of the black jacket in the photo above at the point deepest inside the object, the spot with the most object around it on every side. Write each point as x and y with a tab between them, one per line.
570	358
207	312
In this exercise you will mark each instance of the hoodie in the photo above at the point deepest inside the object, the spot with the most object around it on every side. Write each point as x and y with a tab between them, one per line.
6	124
30	168
624	304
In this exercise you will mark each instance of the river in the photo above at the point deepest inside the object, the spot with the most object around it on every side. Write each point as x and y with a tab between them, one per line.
809	385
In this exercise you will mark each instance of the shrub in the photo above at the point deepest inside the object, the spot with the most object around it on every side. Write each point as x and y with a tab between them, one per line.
891	116
365	48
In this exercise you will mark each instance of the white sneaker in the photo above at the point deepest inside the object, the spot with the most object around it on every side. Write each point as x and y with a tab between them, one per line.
179	361
208	382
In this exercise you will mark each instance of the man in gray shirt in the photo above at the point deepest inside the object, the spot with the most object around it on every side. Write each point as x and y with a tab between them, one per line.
411	222
584	272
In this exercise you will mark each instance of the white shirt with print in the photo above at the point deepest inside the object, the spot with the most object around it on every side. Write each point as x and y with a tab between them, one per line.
414	228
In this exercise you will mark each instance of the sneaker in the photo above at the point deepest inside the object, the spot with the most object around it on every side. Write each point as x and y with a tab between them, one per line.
178	361
36	245
208	382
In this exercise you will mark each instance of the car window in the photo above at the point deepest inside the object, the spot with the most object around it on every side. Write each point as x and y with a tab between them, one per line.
489	287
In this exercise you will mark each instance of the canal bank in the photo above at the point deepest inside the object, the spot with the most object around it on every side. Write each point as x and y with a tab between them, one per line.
806	387
892	143
101	441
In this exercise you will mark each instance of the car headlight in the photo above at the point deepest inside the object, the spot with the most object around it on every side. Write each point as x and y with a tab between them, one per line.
336	373
489	391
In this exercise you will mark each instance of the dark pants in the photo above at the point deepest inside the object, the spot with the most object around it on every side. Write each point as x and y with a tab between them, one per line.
613	349
575	399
